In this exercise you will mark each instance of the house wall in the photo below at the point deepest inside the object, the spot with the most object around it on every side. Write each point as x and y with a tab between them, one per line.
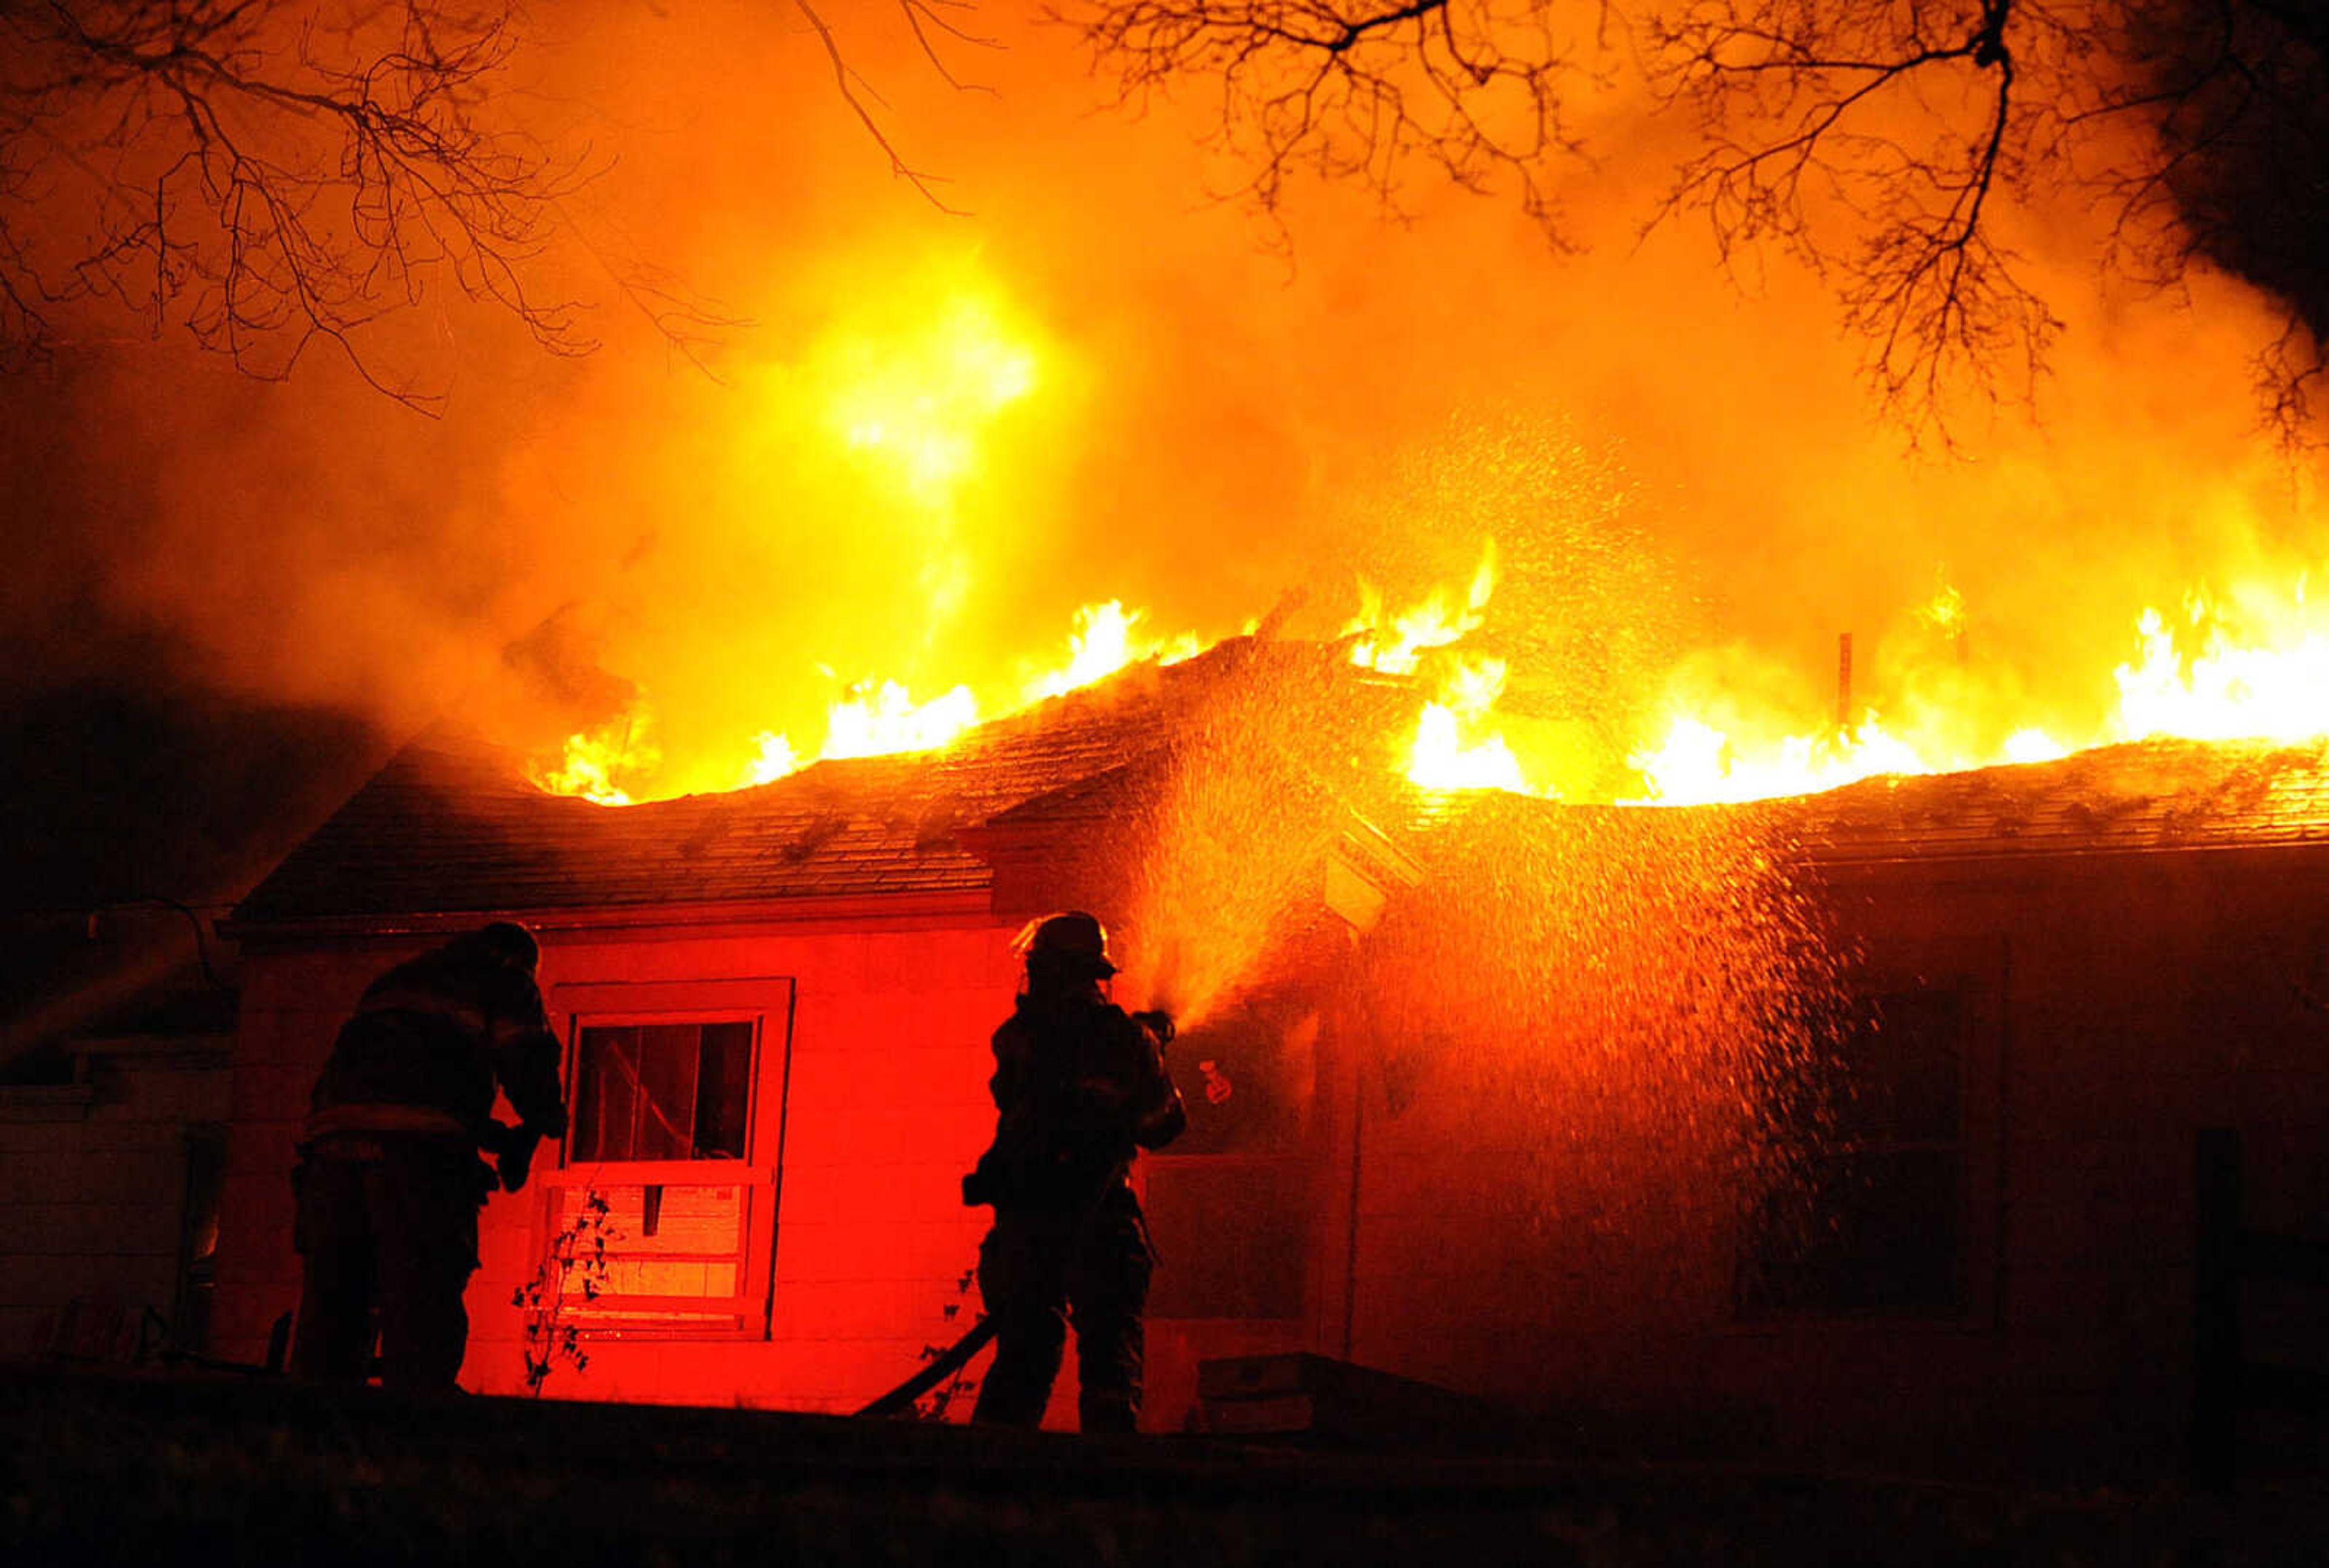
93	1187
2119	1006
1541	1258
2115	1005
2142	999
883	1107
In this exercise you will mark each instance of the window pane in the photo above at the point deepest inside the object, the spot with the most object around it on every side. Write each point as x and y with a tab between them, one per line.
669	1277
656	1277
693	1247
724	1090
696	1220
663	1091
668	1058
606	1094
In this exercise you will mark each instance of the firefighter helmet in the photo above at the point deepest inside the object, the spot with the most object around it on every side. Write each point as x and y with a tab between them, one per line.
1073	940
511	943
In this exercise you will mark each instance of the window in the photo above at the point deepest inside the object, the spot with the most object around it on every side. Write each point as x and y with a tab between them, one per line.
676	1095
1869	1219
662	1121
678	1253
662	1091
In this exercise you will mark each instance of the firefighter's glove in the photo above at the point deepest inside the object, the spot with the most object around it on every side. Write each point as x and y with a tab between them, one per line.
516	1158
1157	1022
982	1186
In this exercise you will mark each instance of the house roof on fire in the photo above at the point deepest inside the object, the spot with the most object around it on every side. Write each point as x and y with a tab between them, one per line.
452	826
2141	797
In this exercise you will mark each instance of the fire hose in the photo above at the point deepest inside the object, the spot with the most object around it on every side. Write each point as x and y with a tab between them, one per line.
943	1366
955	1356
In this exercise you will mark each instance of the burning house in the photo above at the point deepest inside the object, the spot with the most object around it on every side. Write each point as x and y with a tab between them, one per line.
1686	1060
1858	1123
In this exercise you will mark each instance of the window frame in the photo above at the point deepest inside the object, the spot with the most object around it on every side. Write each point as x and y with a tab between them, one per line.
767	1004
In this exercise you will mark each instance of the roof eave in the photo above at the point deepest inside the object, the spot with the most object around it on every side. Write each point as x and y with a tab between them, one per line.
902	910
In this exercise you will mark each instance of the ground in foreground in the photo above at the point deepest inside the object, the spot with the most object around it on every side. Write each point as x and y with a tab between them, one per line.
135	1469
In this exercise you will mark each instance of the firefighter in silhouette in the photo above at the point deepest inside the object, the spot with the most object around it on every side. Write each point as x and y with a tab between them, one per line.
390	1182
1079	1087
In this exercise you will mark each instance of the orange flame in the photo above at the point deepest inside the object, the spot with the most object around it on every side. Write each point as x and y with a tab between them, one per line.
888	719
874	717
2252	665
2225	689
1431	623
1455	746
1105	641
593	760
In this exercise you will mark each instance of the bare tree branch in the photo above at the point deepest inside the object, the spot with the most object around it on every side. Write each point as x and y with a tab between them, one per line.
1474	91
268	175
265	176
922	15
1871	140
1876	141
850	85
